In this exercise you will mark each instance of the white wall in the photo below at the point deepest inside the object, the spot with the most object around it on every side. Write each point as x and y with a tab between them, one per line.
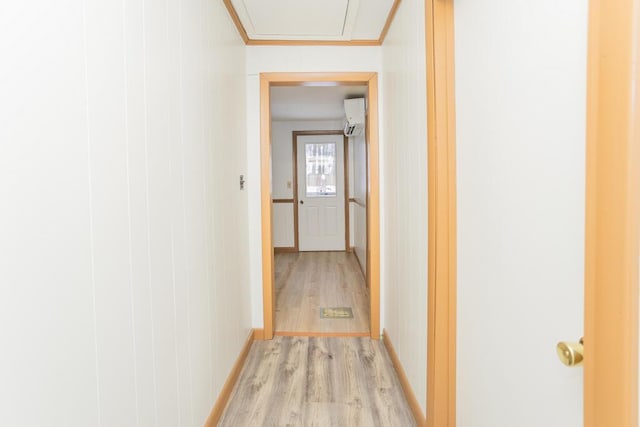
358	212
123	232
282	173
405	192
520	99
262	59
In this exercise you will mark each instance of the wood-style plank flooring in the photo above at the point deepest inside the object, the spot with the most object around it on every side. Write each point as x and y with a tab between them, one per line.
306	281
317	381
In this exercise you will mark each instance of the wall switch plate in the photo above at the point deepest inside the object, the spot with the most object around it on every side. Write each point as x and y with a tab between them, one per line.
288	184
242	181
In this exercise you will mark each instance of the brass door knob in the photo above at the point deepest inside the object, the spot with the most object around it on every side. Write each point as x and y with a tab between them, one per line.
571	353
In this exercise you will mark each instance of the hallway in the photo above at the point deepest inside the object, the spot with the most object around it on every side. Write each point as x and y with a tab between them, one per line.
308	281
140	212
307	381
133	219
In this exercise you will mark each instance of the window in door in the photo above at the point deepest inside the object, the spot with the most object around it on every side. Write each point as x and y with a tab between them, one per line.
320	161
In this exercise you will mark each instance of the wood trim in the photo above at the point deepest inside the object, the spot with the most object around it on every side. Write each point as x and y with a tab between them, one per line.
373	217
258	42
268	290
387	24
316	132
294	151
285	249
258	334
282	201
441	313
316	83
413	402
321	334
373	208
612	215
236	20
318	79
227	388
358	202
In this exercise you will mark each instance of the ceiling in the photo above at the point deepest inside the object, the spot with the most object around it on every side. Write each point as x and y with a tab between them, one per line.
312	21
312	102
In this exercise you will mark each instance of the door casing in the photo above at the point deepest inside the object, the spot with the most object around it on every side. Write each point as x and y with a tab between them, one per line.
612	215
369	79
442	216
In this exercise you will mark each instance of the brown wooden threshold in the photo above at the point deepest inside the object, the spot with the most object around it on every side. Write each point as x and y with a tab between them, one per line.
321	334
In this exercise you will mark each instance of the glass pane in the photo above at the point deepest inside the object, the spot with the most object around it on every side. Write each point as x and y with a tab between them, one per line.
321	169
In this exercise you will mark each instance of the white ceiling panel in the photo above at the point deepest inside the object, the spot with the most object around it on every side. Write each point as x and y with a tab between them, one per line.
286	18
311	20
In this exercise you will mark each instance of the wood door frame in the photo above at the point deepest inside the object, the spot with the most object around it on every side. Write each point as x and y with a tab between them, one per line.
369	79
294	136
612	215
442	215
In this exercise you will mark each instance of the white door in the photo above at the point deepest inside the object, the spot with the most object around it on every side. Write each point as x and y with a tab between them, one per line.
321	216
520	134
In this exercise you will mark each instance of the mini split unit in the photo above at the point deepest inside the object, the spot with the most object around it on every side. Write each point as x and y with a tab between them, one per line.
355	112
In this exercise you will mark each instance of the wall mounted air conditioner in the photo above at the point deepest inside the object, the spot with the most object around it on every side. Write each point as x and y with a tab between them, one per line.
355	112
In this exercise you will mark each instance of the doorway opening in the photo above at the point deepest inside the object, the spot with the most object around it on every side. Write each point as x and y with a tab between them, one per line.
320	281
313	205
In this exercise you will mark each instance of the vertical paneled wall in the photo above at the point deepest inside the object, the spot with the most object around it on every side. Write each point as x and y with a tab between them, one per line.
404	203
124	295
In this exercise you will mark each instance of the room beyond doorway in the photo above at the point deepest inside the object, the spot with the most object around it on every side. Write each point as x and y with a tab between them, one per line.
308	282
372	268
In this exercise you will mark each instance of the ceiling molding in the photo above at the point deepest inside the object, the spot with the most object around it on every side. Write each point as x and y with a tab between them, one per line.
255	42
236	20
278	42
387	24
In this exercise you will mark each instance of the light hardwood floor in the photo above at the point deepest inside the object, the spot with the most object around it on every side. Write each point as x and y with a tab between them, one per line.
306	281
317	381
